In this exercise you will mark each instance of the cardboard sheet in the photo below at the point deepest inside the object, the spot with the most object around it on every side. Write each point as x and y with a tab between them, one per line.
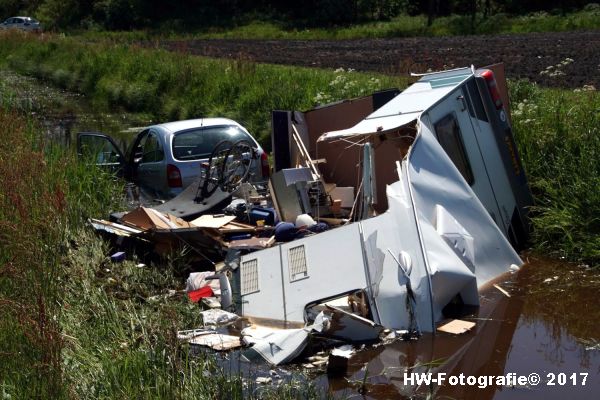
148	218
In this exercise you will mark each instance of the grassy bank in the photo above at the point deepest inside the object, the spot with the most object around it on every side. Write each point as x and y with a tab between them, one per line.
44	194
558	135
72	324
400	26
171	86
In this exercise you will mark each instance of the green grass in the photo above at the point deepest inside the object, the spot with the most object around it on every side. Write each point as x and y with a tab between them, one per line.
43	194
173	86
407	26
72	324
400	26
558	136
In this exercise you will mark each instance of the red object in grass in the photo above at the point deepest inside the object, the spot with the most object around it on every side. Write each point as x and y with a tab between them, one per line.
204	291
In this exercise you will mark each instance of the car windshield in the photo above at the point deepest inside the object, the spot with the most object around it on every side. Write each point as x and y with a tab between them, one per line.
199	143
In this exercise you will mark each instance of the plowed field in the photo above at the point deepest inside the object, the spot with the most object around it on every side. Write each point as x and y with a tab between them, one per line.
525	56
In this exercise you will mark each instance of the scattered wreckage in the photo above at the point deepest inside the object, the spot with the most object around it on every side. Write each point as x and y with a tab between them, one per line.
380	212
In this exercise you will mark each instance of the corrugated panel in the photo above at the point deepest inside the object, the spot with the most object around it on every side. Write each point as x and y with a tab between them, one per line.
297	263
249	277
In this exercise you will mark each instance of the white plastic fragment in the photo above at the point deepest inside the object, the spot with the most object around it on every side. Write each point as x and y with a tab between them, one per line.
216	317
278	346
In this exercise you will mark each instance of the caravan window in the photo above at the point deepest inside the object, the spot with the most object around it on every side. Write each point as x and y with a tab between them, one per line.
474	101
449	136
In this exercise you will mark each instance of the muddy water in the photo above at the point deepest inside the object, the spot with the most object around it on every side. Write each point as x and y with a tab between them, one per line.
548	326
62	114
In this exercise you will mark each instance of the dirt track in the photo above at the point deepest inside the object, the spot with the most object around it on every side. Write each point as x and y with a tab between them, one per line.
524	55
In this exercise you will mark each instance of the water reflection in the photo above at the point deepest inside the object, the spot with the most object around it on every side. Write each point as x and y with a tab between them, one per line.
548	325
62	114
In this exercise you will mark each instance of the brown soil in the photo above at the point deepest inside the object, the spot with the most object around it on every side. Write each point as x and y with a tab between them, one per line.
524	55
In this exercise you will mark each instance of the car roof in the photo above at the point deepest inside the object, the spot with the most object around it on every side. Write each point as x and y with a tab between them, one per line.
177	126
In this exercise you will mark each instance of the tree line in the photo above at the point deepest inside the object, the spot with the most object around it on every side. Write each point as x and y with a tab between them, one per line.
189	14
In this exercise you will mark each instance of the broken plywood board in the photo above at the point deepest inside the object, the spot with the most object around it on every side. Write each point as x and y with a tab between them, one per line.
148	218
217	341
114	228
212	221
254	243
456	326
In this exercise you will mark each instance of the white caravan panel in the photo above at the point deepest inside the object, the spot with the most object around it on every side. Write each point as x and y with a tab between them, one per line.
435	181
292	275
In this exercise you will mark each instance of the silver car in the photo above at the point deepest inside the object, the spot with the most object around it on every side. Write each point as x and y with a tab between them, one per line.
22	23
166	158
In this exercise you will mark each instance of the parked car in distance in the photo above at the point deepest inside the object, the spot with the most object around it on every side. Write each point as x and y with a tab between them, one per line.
22	23
166	158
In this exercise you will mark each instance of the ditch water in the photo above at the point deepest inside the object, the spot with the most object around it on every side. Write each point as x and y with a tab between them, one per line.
549	326
63	114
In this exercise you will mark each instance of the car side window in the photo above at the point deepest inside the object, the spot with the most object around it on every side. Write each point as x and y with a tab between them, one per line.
448	134
153	151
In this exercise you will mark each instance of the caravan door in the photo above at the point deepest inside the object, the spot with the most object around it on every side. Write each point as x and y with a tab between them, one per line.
458	135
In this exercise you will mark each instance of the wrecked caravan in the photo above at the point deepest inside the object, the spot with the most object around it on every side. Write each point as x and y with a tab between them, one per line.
430	199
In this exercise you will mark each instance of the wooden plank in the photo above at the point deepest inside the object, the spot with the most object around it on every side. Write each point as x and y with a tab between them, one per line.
252	243
237	228
456	326
241	225
304	153
504	292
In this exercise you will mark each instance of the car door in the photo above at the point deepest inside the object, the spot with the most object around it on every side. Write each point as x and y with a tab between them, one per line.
151	168
101	150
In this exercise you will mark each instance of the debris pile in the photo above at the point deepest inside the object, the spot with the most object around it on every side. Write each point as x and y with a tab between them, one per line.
365	232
